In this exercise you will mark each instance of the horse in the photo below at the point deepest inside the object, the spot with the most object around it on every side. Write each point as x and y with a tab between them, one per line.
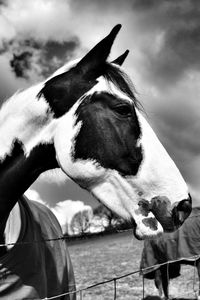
84	119
181	247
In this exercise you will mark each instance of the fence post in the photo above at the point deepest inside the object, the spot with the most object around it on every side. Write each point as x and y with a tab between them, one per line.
115	289
194	279
142	286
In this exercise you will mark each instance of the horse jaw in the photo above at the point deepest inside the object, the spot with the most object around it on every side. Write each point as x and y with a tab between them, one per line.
118	195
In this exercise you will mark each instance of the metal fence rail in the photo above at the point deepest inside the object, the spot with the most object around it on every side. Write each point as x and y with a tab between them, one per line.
115	279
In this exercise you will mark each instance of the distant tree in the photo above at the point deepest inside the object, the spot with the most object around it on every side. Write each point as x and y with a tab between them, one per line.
81	221
114	221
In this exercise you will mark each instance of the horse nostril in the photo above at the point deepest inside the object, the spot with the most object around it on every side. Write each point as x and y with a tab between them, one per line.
182	211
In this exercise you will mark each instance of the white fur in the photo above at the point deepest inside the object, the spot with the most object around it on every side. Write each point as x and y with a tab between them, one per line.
13	227
24	117
158	174
104	85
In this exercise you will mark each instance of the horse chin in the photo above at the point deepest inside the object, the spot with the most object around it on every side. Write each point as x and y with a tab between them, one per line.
147	229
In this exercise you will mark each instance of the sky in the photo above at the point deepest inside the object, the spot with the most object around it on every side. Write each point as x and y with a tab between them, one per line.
163	36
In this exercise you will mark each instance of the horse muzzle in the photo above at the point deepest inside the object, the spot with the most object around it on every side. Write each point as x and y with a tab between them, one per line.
171	218
181	211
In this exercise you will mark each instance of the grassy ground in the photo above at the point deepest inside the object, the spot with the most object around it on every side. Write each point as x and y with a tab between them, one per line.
102	258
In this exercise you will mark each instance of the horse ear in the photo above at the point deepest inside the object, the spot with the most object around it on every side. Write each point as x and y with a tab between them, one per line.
93	60
63	90
120	60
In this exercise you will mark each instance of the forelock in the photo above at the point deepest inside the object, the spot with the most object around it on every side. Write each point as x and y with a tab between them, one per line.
114	74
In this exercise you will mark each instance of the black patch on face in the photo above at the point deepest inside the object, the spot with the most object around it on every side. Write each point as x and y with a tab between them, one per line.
151	222
109	133
62	91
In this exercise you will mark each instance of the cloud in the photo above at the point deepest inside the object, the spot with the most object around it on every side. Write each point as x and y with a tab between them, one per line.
164	35
34	47
73	216
9	83
32	194
173	32
29	57
37	18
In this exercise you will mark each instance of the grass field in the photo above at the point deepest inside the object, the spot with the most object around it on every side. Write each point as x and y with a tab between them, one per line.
101	258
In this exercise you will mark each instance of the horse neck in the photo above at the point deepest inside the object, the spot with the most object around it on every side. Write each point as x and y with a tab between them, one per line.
24	118
26	148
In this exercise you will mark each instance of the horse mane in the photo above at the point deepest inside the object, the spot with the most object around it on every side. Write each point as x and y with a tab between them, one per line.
122	81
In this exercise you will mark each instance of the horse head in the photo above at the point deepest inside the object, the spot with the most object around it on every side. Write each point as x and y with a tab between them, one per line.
103	142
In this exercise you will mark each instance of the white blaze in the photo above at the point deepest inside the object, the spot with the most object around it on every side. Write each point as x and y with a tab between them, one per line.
158	174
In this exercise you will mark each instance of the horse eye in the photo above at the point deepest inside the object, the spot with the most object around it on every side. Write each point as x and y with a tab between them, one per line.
123	110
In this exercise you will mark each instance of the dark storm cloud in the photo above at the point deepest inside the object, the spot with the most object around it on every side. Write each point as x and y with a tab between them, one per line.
102	5
29	54
56	54
24	62
21	63
145	4
181	130
178	24
33	43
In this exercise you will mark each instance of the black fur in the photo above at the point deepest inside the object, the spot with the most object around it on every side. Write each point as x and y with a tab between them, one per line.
119	60
62	91
109	133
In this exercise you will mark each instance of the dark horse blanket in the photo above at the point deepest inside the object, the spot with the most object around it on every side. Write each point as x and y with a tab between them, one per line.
35	268
180	245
